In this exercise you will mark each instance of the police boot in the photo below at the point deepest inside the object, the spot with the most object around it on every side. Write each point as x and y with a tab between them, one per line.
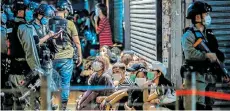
64	105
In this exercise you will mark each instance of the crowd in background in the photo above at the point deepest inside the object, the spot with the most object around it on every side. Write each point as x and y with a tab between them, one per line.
130	83
48	37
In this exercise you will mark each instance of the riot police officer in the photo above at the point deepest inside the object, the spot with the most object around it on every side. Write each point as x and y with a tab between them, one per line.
63	61
46	46
6	98
22	52
196	60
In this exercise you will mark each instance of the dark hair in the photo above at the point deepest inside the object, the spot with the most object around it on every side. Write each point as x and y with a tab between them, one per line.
103	8
165	82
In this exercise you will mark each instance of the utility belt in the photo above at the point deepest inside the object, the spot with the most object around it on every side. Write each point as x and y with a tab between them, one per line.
17	66
203	67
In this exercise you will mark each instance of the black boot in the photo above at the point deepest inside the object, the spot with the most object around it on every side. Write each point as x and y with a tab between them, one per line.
64	105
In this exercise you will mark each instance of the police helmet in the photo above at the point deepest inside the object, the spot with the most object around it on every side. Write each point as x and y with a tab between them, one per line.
196	8
45	10
19	5
33	6
62	5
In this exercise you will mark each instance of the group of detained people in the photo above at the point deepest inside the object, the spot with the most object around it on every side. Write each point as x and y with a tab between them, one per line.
130	83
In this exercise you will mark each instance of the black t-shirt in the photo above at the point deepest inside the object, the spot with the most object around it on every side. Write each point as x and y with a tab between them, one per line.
103	80
136	98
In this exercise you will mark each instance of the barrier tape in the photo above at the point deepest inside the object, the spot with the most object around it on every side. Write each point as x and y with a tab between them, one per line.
211	94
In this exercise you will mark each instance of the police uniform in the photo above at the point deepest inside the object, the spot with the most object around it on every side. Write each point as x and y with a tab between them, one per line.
196	61
190	52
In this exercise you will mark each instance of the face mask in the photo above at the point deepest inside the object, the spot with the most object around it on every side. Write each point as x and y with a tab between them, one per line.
28	15
150	75
117	77
79	21
44	21
102	53
140	81
97	66
96	12
132	77
3	18
66	15
207	21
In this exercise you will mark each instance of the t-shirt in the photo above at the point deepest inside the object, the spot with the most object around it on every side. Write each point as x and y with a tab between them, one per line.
103	80
126	84
105	35
68	52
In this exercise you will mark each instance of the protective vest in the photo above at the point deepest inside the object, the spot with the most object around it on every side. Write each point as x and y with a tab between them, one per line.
15	49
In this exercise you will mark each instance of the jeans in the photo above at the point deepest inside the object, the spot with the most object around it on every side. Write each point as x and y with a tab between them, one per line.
65	68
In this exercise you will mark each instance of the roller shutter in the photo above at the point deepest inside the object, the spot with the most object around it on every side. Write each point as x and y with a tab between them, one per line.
143	28
118	19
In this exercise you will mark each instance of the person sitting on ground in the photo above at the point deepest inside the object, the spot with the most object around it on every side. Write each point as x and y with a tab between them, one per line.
126	57
160	89
139	75
121	83
98	78
87	69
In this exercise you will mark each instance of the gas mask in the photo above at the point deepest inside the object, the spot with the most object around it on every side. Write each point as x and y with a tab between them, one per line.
97	66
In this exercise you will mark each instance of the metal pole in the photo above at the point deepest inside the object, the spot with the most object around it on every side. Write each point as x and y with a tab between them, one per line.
193	91
43	93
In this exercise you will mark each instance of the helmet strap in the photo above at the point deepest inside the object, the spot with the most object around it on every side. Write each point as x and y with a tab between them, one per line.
201	19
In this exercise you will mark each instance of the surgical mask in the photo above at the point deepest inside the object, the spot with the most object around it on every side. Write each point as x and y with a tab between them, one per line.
3	18
44	21
207	21
97	66
140	81
117	77
150	75
132	77
79	21
28	15
102	53
66	15
96	12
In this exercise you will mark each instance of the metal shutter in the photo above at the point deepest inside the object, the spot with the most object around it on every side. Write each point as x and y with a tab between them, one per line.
118	19
143	31
221	25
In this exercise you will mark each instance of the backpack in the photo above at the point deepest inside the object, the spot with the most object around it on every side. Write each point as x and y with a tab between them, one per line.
56	24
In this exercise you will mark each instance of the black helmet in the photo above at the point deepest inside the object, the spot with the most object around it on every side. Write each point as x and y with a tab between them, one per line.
62	5
45	10
196	8
19	5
